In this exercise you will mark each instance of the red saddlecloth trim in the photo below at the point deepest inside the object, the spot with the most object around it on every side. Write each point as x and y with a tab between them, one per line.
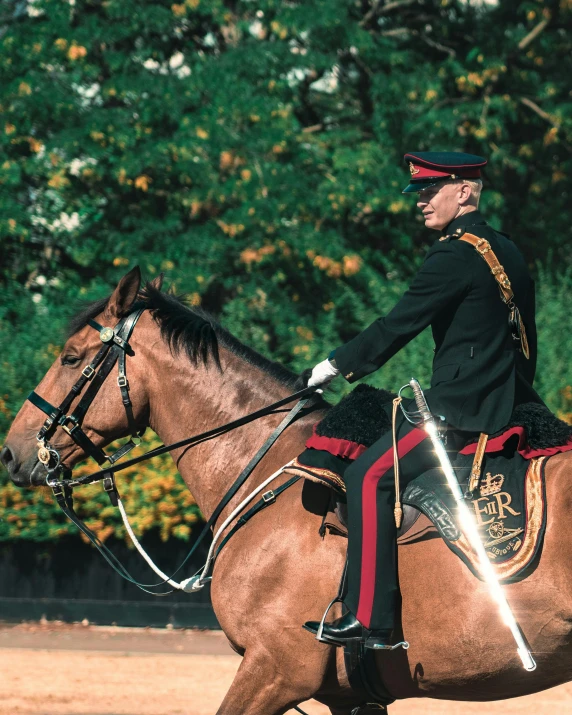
497	443
337	447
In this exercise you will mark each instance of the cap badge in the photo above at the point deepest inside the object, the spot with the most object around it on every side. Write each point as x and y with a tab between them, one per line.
412	169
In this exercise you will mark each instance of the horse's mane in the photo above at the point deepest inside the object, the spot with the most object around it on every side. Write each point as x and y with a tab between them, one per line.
190	330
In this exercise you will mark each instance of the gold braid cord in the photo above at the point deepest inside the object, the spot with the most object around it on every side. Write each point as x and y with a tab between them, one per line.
398	511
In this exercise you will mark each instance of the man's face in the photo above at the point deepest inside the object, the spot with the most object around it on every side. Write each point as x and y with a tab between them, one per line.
440	204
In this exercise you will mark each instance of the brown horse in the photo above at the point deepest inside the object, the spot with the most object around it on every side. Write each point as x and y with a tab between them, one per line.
277	571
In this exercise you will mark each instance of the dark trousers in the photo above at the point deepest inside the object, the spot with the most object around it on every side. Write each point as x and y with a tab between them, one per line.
372	548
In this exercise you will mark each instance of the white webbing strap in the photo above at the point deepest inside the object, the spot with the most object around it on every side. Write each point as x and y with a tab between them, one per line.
197	581
142	551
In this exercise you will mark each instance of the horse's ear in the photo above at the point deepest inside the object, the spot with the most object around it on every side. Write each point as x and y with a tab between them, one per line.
124	295
157	283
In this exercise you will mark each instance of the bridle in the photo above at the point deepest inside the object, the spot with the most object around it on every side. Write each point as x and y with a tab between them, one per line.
115	349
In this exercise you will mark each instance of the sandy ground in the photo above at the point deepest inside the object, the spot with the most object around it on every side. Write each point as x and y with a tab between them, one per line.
57	669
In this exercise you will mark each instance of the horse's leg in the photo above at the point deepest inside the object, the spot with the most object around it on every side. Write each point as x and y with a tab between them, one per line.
264	686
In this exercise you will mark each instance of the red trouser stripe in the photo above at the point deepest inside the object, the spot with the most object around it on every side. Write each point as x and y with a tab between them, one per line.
369	521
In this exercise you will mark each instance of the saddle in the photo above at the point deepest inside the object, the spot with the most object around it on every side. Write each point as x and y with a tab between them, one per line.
509	500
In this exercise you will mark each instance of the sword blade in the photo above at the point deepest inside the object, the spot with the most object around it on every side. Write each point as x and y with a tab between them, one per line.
469	527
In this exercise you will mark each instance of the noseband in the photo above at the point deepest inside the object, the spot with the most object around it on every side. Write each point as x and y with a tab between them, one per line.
115	348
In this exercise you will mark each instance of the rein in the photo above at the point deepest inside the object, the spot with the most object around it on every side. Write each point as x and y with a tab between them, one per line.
189	441
114	350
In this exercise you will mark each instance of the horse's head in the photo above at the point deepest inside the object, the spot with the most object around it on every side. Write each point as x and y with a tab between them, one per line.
105	419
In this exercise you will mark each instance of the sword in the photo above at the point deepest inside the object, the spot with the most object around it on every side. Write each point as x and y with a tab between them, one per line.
469	527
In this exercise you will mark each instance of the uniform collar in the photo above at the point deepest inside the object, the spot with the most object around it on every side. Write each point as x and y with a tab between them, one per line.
473	218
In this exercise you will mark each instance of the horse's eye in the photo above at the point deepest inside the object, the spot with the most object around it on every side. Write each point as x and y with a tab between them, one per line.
70	360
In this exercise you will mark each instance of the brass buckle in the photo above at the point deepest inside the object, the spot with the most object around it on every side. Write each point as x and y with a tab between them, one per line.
69	430
268	497
485	243
122	381
57	490
88	372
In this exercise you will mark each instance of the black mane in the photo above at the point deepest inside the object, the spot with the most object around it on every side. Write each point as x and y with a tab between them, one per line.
190	330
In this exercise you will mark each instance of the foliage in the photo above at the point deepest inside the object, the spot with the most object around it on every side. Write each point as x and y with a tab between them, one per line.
154	496
253	151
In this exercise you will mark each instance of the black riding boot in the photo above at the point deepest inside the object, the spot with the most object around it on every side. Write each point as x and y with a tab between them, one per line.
348	628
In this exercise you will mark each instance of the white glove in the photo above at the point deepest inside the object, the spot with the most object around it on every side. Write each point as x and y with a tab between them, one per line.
323	373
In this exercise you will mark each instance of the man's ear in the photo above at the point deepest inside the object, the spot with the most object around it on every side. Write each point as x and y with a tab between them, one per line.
465	194
124	295
157	283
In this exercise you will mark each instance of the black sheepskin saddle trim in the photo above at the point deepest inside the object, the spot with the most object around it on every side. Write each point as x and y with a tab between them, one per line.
543	428
362	416
365	414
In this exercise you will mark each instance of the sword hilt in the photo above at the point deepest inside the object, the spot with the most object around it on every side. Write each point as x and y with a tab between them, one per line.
420	400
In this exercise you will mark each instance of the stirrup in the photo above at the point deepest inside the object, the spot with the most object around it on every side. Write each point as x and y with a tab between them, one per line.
379	646
320	633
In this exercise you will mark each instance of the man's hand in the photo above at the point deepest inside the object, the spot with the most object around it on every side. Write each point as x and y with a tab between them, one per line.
323	373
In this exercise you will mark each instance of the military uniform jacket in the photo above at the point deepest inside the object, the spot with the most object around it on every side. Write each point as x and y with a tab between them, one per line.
479	374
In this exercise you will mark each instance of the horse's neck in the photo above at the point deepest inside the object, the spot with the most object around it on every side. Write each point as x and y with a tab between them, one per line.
193	400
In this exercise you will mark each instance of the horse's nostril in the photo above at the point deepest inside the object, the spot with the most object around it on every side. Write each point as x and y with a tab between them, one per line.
6	457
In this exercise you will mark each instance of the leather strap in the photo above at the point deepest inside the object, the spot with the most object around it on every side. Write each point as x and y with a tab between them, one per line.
268	498
196	439
483	248
114	349
61	488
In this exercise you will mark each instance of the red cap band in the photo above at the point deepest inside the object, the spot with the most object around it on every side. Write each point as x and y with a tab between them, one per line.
419	173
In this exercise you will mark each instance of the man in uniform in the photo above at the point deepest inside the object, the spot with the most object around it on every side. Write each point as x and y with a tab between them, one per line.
479	375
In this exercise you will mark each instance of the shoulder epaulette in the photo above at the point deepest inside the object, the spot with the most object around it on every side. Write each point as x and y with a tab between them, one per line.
457	233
